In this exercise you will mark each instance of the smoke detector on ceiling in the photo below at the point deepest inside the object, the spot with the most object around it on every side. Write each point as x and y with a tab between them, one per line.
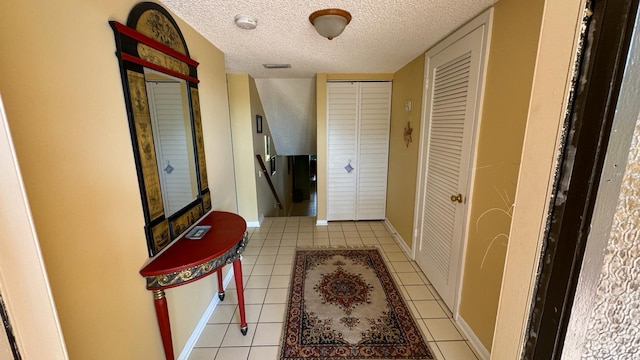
246	22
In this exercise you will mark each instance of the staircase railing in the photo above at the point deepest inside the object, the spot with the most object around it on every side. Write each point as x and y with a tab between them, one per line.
268	178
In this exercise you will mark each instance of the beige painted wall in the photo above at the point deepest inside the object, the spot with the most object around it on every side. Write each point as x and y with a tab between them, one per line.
61	86
241	126
291	107
266	200
514	41
24	286
554	65
321	94
321	162
403	159
255	199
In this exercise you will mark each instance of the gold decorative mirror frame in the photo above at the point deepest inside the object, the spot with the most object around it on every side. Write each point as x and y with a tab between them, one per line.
151	39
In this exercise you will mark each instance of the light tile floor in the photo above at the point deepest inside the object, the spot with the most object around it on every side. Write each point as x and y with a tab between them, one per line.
266	268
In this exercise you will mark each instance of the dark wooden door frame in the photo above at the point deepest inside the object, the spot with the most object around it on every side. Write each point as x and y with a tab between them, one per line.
4	317
587	130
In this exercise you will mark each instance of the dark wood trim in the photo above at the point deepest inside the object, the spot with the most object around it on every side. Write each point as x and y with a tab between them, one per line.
145	63
4	317
586	137
268	178
132	33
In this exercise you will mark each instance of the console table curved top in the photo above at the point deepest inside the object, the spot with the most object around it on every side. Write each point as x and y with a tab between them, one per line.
188	260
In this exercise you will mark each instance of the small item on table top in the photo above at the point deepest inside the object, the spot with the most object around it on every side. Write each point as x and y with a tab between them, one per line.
198	232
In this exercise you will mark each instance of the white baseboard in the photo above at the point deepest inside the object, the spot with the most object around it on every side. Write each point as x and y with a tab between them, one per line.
403	244
254	224
322	222
475	343
197	331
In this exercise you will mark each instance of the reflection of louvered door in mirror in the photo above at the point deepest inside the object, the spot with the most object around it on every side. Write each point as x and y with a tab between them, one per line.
451	111
173	141
150	48
358	116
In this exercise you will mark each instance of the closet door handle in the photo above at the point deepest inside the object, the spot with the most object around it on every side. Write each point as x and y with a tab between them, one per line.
456	198
349	168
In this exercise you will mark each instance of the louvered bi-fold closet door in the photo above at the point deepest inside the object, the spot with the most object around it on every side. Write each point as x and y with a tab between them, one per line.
358	116
373	150
342	136
452	95
173	144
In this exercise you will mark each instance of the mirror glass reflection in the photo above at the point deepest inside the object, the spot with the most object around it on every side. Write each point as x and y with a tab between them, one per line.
173	139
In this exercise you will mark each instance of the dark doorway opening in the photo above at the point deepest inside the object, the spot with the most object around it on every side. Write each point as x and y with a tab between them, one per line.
304	201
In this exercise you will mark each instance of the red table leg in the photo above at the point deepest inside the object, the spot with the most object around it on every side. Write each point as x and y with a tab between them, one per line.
162	313
220	288
237	273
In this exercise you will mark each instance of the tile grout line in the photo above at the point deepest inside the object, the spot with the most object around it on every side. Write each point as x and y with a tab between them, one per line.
275	236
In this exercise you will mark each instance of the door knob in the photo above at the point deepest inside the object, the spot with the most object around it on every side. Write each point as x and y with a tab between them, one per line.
456	198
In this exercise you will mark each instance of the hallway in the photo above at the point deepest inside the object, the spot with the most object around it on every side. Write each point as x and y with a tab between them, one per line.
306	207
267	266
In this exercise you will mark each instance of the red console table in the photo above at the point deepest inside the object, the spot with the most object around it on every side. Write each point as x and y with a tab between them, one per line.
189	260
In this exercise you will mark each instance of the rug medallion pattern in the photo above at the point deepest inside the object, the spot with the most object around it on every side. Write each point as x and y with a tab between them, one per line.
343	304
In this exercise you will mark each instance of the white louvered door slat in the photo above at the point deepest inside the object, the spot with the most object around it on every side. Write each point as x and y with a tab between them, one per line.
172	143
342	115
358	116
451	111
446	133
375	106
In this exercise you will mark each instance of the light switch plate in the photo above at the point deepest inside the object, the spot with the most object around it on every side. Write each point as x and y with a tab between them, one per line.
408	105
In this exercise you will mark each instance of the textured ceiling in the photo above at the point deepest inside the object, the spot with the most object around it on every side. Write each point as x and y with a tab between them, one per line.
383	36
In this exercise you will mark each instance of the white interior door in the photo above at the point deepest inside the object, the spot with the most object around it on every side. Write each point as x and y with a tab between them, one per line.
358	149
342	137
452	95
373	150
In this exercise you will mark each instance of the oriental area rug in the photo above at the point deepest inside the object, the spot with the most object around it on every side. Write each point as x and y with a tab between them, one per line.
343	304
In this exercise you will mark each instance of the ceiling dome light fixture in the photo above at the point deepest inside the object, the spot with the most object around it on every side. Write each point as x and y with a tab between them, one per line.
246	22
330	22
